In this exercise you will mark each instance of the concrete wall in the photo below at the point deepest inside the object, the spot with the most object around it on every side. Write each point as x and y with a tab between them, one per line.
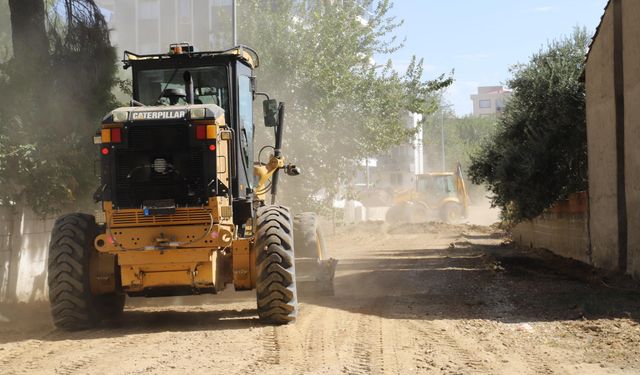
6	226
601	135
562	230
631	41
24	241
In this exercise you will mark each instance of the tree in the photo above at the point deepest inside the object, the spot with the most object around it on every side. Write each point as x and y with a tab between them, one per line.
5	31
538	154
29	37
463	137
61	87
341	105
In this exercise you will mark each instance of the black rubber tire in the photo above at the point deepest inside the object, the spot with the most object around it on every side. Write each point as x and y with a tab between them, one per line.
306	235
451	213
407	213
73	307
276	280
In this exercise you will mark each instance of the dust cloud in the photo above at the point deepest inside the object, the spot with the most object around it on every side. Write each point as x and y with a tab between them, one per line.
481	213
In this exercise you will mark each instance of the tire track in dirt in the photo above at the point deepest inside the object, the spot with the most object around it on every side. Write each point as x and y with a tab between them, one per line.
74	354
91	353
361	351
76	365
33	353
25	347
368	348
271	346
454	354
314	350
270	355
499	303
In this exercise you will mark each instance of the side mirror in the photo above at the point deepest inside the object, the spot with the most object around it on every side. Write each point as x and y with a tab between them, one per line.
270	107
254	84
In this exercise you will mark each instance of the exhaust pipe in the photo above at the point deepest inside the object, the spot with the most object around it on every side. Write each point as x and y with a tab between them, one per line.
188	82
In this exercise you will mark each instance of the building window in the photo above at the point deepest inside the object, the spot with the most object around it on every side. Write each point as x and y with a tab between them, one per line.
486	103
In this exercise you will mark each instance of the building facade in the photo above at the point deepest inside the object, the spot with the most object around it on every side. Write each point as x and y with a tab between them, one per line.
612	80
150	26
397	168
490	100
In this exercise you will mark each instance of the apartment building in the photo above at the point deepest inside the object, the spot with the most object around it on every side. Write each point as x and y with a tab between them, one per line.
490	100
149	26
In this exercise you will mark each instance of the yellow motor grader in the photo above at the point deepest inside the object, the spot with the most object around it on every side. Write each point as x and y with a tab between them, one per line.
182	198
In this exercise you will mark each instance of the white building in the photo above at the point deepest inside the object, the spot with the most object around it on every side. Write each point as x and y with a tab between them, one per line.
150	26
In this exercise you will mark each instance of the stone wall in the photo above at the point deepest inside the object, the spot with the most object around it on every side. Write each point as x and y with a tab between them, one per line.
563	230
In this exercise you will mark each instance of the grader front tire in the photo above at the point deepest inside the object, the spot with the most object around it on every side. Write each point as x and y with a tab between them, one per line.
276	281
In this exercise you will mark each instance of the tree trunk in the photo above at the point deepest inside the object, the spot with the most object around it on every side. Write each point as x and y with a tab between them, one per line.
29	35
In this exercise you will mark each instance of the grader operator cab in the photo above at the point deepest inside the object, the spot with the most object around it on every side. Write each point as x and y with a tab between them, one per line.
183	198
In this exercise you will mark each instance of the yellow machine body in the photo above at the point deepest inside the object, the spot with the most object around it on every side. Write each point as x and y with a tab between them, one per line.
194	250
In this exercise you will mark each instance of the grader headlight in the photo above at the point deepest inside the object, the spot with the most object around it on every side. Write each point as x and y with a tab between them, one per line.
120	116
198	113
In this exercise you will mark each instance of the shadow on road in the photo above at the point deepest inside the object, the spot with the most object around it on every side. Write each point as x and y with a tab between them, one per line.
463	281
134	321
498	283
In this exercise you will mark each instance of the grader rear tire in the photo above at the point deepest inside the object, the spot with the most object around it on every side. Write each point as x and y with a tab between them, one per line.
310	246
276	280
73	306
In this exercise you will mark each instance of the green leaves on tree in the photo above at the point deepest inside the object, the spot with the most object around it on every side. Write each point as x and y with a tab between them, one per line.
539	153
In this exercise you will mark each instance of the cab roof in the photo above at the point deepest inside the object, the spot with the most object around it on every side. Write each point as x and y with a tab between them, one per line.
241	53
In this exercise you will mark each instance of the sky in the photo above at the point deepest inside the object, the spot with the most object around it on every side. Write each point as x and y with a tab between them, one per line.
481	39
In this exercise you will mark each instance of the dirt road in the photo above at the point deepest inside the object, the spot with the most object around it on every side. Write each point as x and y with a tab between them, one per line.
424	299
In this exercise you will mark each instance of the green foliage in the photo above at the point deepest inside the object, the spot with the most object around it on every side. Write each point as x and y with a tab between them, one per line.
463	137
539	152
46	157
341	106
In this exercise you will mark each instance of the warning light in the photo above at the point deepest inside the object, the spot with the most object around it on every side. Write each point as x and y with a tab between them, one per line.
116	135
201	132
106	135
105	151
212	132
212	147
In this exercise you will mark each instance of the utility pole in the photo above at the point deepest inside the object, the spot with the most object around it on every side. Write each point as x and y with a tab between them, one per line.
442	137
368	176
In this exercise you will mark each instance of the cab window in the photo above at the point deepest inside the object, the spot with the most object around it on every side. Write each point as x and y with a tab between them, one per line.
245	109
210	85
